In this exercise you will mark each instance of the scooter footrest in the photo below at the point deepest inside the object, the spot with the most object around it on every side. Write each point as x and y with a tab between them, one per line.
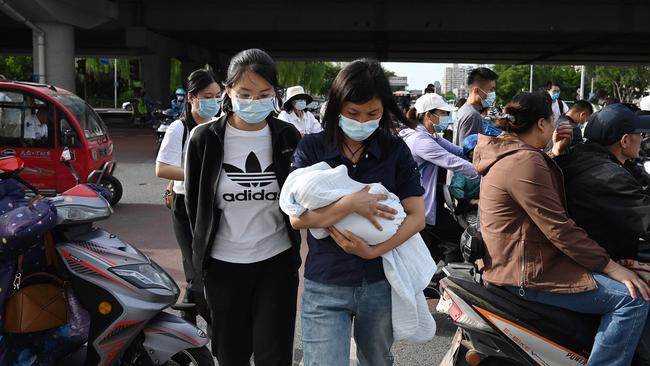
184	306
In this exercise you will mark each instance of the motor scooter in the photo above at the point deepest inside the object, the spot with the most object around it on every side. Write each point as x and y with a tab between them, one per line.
124	291
497	327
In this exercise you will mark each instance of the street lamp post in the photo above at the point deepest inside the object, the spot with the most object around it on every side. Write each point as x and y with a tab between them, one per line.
115	82
530	88
582	82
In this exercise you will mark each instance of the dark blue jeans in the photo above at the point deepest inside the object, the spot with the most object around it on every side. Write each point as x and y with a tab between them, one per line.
622	322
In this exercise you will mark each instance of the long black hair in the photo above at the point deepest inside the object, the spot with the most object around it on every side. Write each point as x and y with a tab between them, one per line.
358	83
254	60
197	81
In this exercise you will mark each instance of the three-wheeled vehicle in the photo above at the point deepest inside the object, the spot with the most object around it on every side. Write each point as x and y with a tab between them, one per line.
38	121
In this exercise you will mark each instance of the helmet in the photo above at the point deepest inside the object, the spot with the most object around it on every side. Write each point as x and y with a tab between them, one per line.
645	103
180	91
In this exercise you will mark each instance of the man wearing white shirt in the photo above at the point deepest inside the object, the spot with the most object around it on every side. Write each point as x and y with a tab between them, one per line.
558	106
36	125
294	111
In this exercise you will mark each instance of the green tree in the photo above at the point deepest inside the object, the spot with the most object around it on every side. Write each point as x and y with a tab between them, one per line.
16	67
315	77
449	95
624	83
176	78
389	73
331	70
513	79
96	85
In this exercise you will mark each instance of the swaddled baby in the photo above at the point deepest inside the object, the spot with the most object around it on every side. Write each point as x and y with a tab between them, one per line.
319	183
408	268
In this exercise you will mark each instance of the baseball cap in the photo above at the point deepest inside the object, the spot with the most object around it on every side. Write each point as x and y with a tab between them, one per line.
612	122
432	101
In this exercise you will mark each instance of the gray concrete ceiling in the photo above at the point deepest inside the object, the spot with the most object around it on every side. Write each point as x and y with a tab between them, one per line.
472	31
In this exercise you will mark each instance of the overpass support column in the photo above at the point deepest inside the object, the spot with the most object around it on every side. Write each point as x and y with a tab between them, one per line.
59	54
156	71
188	66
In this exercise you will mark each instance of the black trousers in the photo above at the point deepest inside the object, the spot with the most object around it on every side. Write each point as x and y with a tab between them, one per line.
253	310
183	233
443	238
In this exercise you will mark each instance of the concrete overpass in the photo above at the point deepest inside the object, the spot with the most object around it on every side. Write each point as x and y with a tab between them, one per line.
200	31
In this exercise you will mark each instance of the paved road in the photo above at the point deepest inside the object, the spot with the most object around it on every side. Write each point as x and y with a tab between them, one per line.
142	220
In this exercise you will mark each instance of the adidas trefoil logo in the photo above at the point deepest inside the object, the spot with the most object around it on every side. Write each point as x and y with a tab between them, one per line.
253	176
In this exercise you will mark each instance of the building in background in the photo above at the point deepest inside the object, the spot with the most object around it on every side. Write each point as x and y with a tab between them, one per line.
398	83
455	77
460	92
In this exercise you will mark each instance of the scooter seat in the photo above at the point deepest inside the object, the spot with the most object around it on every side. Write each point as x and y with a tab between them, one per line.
575	331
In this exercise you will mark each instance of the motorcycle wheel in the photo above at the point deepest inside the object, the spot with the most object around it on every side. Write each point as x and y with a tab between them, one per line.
192	357
112	184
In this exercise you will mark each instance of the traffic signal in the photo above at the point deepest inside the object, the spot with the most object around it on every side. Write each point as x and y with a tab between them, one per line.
81	66
134	69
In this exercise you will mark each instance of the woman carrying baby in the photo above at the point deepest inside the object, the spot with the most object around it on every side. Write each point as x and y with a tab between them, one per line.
344	276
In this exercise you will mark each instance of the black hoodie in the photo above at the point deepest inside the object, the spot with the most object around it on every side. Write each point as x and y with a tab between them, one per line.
605	199
203	164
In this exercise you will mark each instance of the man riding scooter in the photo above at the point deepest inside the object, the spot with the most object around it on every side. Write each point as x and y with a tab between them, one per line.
603	197
178	103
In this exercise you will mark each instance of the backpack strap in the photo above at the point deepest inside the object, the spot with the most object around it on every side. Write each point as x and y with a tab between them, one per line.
184	133
19	265
560	104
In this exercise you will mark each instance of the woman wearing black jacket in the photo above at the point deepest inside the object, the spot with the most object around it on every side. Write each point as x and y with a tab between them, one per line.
244	247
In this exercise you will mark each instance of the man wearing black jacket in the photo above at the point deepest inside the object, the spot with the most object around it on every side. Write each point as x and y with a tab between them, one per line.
603	197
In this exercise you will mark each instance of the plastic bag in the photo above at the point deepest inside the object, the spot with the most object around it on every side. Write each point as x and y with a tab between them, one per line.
24	226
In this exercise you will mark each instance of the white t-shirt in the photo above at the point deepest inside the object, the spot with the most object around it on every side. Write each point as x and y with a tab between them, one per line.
34	129
252	227
556	109
171	151
305	125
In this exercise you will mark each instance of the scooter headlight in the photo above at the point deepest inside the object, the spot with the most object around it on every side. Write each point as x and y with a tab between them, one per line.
67	214
145	276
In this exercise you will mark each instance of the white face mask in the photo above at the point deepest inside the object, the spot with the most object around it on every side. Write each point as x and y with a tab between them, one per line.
300	104
358	131
253	111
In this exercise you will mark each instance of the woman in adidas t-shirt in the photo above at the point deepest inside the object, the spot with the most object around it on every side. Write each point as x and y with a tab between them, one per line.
244	246
202	104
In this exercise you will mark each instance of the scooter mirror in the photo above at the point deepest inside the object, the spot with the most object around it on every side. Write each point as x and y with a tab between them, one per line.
646	167
66	155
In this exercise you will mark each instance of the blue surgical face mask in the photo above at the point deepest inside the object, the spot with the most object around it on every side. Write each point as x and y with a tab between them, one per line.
443	123
356	130
253	111
208	107
489	99
300	104
555	95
